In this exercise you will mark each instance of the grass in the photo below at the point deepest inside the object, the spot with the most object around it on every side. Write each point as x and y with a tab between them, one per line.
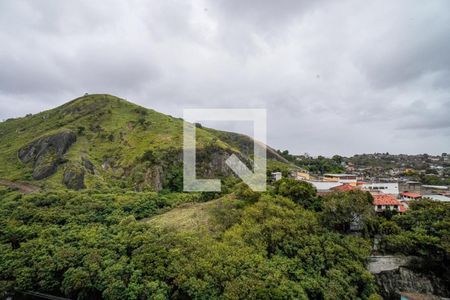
107	128
187	217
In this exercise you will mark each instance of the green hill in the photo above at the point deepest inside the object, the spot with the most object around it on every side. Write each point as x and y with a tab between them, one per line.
104	141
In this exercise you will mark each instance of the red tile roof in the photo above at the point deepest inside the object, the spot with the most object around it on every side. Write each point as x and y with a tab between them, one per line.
343	188
385	199
411	195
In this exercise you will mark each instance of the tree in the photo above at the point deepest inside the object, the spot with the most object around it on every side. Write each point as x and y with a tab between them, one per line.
243	192
91	245
300	192
342	210
425	229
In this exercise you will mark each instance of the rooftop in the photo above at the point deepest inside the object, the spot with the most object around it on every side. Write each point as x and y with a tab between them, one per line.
343	188
438	187
438	198
383	199
411	195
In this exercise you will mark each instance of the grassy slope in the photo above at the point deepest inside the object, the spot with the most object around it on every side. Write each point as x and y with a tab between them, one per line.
111	127
186	217
245	144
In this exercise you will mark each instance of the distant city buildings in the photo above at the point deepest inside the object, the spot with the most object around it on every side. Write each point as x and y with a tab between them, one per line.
382	187
392	196
395	181
300	175
341	178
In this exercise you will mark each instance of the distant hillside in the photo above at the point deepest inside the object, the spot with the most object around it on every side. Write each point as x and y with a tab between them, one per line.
104	141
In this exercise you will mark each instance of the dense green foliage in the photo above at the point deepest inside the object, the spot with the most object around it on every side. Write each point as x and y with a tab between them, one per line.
424	232
343	210
433	179
300	192
88	245
47	237
319	165
322	165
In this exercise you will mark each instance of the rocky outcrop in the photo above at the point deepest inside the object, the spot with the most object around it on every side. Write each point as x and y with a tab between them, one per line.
73	177
211	162
395	274
162	171
378	264
146	176
46	153
154	177
391	283
88	165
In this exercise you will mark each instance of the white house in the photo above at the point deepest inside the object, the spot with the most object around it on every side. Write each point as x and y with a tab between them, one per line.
387	202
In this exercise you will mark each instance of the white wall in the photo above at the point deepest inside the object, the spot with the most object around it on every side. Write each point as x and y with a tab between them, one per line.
384	188
348	181
324	185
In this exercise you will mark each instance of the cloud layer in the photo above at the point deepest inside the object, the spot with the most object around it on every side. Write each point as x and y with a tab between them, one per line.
347	77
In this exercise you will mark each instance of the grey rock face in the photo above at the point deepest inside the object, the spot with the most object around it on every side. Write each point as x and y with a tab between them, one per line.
211	162
392	282
378	264
153	172
74	178
88	165
154	177
46	153
395	274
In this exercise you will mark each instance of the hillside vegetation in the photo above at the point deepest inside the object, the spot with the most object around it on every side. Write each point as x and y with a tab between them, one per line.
286	243
99	141
92	245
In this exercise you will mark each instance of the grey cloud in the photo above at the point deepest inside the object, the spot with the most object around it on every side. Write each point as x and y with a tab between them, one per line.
264	14
408	42
434	119
110	66
336	77
28	74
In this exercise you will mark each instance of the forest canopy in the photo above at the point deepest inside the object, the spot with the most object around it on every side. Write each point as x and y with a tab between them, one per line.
87	245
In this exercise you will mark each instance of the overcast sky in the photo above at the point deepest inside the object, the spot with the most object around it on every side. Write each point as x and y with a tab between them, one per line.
339	77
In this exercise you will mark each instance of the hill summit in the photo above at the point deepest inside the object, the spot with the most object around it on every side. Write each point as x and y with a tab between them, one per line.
103	141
